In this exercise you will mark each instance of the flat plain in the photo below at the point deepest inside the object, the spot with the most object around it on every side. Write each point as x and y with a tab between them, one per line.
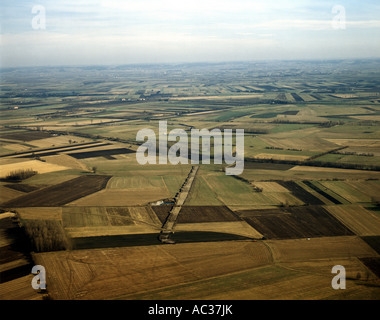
307	200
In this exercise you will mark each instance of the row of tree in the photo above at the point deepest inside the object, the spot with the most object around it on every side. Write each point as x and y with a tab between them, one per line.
21	174
46	235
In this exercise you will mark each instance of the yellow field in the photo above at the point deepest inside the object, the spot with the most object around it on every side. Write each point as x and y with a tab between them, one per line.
7	194
127	271
19	289
202	112
326	169
13	264
278	193
215	270
352	195
369	187
98	148
283	197
15	147
7	215
361	221
242	96
344	95
236	227
271	187
122	197
352	265
43	213
137	228
57	141
356	142
279	156
319	248
309	284
79	122
65	161
275	191
9	160
39	166
101	221
119	216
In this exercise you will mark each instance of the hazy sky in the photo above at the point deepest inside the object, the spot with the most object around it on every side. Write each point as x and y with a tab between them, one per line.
76	32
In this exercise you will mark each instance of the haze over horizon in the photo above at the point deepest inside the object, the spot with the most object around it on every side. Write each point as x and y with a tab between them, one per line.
99	32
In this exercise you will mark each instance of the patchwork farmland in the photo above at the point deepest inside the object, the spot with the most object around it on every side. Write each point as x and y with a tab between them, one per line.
307	200
61	193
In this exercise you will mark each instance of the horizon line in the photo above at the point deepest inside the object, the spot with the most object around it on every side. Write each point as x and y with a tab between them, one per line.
321	60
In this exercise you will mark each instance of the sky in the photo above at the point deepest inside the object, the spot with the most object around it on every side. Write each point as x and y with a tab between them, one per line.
109	32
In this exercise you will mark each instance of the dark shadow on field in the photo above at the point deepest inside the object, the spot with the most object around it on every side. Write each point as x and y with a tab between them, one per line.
372	263
147	239
373	242
18	249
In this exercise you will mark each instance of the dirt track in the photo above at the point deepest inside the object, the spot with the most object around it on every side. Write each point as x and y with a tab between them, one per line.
170	222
